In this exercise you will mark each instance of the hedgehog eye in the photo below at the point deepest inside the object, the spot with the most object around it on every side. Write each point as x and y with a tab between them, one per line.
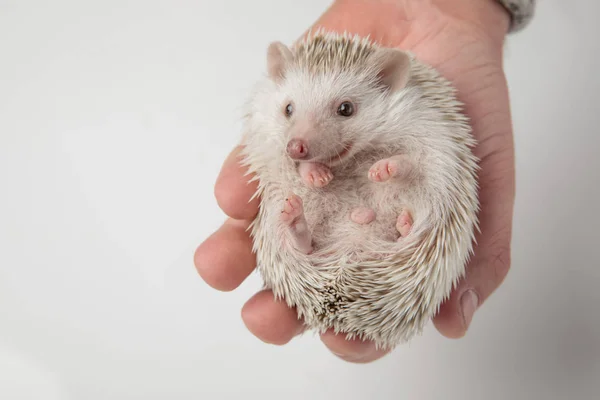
345	109
289	109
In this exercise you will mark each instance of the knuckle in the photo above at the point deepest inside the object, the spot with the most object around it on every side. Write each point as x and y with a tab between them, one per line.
234	198
500	258
498	171
223	196
213	260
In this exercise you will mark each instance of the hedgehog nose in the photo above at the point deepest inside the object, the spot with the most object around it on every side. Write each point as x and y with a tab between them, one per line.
297	149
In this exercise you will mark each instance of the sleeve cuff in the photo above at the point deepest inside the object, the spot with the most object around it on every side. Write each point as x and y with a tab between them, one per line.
521	13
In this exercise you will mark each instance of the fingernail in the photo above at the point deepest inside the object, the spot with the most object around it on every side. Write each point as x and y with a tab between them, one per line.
468	303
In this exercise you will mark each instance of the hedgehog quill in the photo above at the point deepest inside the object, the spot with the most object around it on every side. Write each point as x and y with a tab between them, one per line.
368	185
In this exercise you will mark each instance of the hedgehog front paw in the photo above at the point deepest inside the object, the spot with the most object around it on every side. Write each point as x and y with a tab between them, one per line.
315	174
384	170
404	224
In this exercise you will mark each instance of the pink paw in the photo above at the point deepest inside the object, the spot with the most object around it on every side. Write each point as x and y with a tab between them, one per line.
404	223
292	209
315	174
362	215
383	170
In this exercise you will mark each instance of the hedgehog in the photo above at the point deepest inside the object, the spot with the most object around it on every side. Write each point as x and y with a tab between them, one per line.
368	185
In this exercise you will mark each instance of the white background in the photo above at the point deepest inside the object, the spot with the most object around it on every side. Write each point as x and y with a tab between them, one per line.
115	118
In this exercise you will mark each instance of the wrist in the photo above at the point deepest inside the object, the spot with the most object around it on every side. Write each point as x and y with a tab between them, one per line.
487	17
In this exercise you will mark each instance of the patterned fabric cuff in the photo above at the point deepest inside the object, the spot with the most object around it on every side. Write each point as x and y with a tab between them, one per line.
521	12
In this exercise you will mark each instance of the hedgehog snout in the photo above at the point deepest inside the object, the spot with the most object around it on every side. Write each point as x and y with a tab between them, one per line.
297	149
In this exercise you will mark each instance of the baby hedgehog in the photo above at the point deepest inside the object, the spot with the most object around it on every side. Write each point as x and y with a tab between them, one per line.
367	184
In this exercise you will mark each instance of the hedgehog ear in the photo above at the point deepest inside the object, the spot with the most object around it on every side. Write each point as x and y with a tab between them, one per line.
394	68
278	57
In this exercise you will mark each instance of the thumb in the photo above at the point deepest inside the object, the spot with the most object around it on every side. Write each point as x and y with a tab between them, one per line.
491	261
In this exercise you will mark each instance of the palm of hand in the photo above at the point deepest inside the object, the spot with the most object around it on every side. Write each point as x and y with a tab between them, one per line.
472	59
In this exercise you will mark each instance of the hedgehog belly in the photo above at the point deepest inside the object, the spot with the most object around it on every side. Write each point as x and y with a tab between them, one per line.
345	284
360	280
328	213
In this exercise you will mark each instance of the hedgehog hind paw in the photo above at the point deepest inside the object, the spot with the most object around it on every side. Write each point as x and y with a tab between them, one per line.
404	224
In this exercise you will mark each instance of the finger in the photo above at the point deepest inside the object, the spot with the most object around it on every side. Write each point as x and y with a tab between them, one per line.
491	262
233	189
355	350
270	320
225	259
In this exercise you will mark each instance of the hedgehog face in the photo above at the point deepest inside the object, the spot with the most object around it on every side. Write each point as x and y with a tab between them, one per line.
321	120
328	111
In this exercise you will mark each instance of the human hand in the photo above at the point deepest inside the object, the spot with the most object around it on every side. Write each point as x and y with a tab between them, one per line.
463	39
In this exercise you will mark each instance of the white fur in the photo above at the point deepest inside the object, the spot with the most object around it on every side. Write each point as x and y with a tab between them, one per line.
360	280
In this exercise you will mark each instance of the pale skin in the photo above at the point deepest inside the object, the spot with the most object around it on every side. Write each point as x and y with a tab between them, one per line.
464	40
